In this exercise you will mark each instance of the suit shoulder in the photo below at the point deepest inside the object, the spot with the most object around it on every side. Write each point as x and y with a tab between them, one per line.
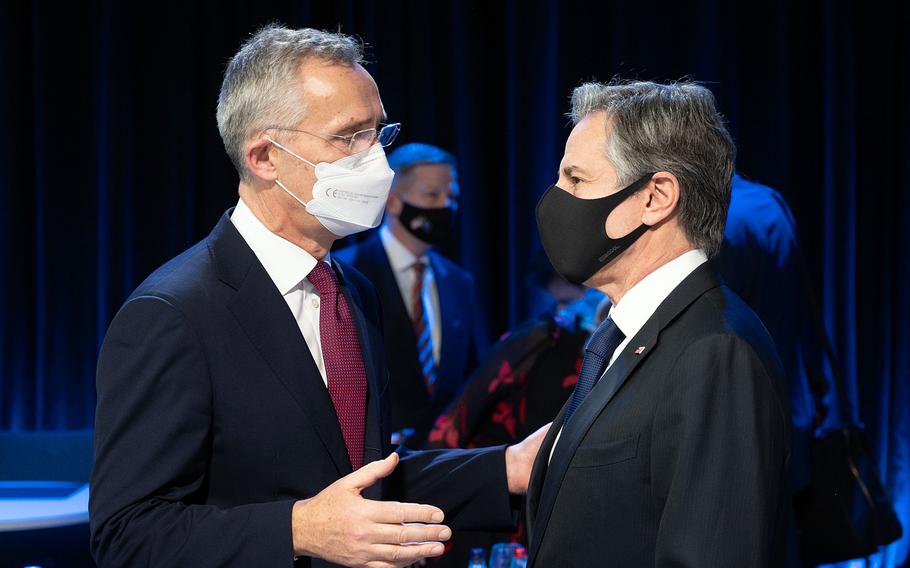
726	363
348	254
354	277
361	253
740	320
451	269
183	280
719	311
721	320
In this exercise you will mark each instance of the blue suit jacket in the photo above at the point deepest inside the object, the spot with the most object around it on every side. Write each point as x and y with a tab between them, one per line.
213	420
412	406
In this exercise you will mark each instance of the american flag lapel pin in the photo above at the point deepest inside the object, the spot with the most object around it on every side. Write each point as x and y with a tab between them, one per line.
640	350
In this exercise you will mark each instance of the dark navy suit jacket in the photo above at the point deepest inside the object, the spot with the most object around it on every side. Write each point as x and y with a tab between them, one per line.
679	455
213	419
411	404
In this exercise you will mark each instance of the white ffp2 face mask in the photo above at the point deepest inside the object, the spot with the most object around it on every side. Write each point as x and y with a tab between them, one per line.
350	194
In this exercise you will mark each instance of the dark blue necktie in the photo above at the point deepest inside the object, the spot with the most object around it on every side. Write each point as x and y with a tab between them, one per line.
600	347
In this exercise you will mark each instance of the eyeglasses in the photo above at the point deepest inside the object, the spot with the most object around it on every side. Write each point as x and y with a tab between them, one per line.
359	141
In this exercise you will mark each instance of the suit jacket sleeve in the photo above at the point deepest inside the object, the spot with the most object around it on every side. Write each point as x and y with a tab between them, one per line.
719	459
470	486
152	439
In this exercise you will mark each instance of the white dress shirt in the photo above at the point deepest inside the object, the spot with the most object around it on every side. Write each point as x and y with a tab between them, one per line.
641	301
402	261
288	266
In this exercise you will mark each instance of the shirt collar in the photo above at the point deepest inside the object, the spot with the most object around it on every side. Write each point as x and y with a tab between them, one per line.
286	263
643	299
400	257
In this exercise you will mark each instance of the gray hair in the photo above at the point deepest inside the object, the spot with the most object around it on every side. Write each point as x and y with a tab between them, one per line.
675	128
259	87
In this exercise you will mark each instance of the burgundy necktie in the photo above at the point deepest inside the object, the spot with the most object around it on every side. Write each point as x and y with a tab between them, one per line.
344	369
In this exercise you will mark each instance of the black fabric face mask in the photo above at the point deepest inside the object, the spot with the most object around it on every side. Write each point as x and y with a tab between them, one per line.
433	226
574	233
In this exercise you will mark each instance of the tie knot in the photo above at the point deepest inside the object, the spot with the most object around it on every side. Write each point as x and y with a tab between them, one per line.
419	268
323	278
605	339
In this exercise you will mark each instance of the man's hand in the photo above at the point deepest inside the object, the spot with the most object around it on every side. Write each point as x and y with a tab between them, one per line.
340	526
520	460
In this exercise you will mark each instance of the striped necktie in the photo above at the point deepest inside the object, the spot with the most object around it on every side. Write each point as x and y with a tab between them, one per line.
598	351
422	329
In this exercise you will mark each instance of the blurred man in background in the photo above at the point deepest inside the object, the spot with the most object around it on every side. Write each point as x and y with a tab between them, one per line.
431	332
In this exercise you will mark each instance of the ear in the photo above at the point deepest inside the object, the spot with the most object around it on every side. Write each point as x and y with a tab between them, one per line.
258	159
394	205
662	197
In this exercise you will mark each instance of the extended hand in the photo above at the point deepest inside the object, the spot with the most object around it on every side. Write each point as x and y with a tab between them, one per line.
520	460
340	526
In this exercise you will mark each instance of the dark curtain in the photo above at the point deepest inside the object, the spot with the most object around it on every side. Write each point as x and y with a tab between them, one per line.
110	161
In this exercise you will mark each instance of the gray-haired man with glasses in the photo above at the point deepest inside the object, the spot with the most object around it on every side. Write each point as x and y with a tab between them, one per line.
242	388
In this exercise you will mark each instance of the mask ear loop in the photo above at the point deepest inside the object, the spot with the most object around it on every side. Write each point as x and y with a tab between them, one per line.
278	181
286	190
301	158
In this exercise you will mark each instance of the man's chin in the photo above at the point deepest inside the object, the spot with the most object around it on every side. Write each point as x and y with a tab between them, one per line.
603	277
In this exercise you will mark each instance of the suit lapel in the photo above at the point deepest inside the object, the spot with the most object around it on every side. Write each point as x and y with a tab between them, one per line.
268	323
451	324
378	269
572	433
696	284
539	470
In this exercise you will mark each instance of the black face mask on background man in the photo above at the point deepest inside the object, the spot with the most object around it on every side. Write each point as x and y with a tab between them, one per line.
574	230
433	226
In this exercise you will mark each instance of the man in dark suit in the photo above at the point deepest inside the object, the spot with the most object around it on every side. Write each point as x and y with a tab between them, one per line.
431	334
243	389
673	449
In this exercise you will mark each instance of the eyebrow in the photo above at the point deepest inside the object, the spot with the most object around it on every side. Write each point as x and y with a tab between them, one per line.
362	125
352	128
569	171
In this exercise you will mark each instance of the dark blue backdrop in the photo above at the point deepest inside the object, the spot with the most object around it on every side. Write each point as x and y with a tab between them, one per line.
110	161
